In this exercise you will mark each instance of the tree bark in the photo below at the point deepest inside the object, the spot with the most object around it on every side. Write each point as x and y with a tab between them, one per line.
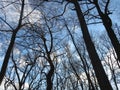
51	71
97	66
7	56
10	47
49	75
108	26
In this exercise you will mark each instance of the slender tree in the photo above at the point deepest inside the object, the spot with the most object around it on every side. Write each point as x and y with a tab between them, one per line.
91	86
107	22
97	66
10	47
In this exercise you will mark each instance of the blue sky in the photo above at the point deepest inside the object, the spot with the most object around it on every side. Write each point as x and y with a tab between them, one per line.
115	18
12	15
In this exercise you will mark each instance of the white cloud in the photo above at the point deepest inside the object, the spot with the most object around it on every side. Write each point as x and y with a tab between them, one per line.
33	15
111	62
22	62
10	87
12	12
16	51
110	58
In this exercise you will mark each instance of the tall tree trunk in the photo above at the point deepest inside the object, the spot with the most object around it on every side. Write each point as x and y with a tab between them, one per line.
51	71
97	66
49	75
10	47
108	26
7	56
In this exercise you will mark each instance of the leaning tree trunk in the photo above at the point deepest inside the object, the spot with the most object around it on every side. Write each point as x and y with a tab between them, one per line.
10	47
7	56
97	66
108	26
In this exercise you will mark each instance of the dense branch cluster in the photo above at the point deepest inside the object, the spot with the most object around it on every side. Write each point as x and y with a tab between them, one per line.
58	45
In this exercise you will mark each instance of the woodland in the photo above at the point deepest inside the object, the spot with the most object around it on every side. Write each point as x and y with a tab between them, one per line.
59	45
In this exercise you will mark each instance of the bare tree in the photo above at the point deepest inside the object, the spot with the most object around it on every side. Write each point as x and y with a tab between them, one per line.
97	66
53	52
107	22
10	47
